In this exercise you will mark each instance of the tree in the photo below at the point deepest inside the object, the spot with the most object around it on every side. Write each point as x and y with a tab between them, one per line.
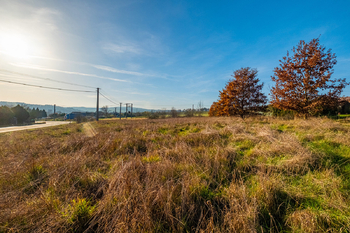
200	108
241	96
104	109
303	80
188	112
173	112
43	113
215	109
162	113
20	113
32	113
5	115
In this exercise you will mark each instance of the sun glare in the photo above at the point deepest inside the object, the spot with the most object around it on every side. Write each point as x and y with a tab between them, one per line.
14	45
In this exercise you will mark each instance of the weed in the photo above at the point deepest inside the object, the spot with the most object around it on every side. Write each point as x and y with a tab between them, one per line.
36	172
163	130
78	213
151	159
66	132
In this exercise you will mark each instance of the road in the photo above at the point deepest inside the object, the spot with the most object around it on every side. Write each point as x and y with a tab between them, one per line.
36	126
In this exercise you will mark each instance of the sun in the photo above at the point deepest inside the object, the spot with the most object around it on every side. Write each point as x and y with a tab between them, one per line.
14	45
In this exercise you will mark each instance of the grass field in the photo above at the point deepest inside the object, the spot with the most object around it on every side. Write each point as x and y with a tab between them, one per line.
178	175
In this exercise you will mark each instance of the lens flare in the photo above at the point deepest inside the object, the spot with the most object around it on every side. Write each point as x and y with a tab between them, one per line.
15	45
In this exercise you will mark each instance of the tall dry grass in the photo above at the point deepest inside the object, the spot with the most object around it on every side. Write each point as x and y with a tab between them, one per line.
177	175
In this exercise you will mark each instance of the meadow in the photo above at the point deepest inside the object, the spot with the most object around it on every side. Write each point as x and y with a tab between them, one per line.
261	174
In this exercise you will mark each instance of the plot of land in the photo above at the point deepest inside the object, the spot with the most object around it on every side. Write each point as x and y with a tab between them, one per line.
178	175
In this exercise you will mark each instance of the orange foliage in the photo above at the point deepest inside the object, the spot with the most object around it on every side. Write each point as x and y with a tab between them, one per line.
303	81
241	96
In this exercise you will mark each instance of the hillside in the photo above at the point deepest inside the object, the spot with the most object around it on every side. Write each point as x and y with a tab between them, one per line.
178	175
49	108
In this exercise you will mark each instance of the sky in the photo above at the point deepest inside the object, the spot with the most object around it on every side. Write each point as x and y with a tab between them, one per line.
155	54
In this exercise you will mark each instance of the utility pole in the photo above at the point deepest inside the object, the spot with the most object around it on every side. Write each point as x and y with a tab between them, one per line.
131	111
126	111
54	111
97	107
115	111
120	111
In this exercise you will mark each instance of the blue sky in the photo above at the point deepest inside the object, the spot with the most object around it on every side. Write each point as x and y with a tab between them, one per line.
156	54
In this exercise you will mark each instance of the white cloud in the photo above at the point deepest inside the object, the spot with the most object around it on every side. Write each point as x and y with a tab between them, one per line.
29	66
344	60
47	17
111	69
100	67
121	48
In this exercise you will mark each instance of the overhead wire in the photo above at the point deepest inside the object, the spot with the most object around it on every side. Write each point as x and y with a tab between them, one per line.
109	99
47	79
64	89
108	95
53	88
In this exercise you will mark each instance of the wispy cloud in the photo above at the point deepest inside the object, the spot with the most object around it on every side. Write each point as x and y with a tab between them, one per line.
111	69
35	67
47	15
205	90
121	48
100	67
344	59
132	92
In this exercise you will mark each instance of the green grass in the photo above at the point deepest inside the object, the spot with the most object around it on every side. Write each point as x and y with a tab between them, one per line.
199	174
78	213
151	159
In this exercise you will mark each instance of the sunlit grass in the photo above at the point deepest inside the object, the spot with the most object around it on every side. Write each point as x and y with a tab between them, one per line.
178	175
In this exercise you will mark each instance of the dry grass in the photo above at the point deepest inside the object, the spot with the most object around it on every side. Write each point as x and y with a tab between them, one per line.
178	175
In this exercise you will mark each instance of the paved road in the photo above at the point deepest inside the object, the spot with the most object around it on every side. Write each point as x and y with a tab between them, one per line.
36	126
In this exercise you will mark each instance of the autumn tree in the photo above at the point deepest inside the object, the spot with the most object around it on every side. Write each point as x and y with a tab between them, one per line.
241	96
213	109
303	80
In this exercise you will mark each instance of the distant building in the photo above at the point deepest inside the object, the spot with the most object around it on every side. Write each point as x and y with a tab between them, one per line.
74	115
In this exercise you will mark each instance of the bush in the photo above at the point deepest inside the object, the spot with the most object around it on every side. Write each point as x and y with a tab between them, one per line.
81	118
188	113
153	115
286	114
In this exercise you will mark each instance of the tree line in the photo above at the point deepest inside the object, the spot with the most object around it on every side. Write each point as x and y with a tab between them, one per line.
303	86
19	114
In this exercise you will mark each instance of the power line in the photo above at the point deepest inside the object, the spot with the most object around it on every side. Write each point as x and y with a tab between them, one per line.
109	99
54	88
47	79
109	96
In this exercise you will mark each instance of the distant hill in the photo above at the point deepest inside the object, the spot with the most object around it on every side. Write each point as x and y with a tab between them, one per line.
59	109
